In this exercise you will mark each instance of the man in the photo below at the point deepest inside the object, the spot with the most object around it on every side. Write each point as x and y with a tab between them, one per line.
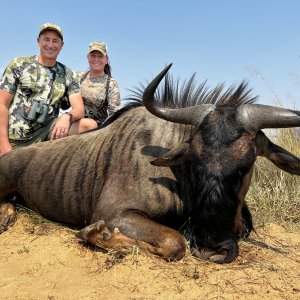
30	93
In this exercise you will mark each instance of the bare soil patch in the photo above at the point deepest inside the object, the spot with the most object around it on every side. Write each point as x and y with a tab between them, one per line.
46	261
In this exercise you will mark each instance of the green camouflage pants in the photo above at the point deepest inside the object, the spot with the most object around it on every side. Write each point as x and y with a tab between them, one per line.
41	135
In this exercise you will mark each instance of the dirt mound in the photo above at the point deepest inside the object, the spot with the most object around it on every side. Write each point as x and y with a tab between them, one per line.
42	261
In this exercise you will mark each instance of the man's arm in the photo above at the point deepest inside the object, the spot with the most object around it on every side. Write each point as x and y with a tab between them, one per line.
5	101
77	106
64	121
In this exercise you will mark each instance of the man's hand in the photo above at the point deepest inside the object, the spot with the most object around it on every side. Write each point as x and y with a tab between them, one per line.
62	126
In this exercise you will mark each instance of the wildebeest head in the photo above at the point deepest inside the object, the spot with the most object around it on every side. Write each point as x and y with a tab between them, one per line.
219	159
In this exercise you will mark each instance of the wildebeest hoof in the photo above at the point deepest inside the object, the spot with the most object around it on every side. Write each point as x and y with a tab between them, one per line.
8	216
210	255
96	228
2	228
106	234
219	257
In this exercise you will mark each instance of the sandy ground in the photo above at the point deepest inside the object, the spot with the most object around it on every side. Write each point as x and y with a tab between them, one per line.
45	261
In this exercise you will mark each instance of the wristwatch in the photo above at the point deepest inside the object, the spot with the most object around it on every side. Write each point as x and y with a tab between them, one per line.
71	116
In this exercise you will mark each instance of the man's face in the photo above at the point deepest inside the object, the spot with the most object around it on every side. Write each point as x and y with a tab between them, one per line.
50	44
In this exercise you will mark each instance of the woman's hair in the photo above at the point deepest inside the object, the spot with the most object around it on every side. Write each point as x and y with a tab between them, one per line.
107	68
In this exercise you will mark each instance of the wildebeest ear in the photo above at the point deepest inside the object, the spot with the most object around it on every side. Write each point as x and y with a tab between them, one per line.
173	157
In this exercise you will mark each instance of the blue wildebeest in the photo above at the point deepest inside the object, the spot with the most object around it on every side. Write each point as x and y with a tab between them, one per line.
187	160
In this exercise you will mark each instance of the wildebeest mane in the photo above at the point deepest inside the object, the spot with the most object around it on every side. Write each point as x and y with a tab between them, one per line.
172	95
119	112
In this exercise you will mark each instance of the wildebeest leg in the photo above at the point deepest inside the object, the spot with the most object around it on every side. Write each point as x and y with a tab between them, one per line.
136	229
8	216
99	235
282	158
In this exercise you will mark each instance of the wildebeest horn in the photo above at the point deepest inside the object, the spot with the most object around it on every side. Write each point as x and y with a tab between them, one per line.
189	115
256	116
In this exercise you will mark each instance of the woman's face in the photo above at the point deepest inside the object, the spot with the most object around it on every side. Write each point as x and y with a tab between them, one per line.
97	61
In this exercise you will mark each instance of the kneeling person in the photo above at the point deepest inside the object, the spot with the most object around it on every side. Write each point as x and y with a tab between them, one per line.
31	90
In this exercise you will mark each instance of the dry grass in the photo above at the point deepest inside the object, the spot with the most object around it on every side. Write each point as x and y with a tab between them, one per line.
274	194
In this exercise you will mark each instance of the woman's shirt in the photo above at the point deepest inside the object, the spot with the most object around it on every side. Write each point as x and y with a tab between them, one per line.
93	91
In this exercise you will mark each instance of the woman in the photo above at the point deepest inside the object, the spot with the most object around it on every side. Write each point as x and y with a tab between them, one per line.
99	90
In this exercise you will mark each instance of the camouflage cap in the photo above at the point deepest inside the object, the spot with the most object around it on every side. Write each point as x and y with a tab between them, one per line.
51	27
98	46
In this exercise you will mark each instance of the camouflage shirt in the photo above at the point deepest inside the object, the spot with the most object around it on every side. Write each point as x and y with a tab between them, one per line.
93	91
30	81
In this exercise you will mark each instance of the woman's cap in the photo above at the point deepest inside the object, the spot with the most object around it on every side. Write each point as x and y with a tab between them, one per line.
51	27
98	46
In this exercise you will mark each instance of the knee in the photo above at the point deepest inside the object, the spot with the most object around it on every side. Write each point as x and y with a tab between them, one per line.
173	247
87	124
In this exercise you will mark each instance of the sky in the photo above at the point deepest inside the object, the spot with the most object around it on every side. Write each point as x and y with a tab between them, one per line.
222	41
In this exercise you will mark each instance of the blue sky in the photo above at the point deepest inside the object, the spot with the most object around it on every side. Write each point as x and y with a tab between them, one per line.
222	41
